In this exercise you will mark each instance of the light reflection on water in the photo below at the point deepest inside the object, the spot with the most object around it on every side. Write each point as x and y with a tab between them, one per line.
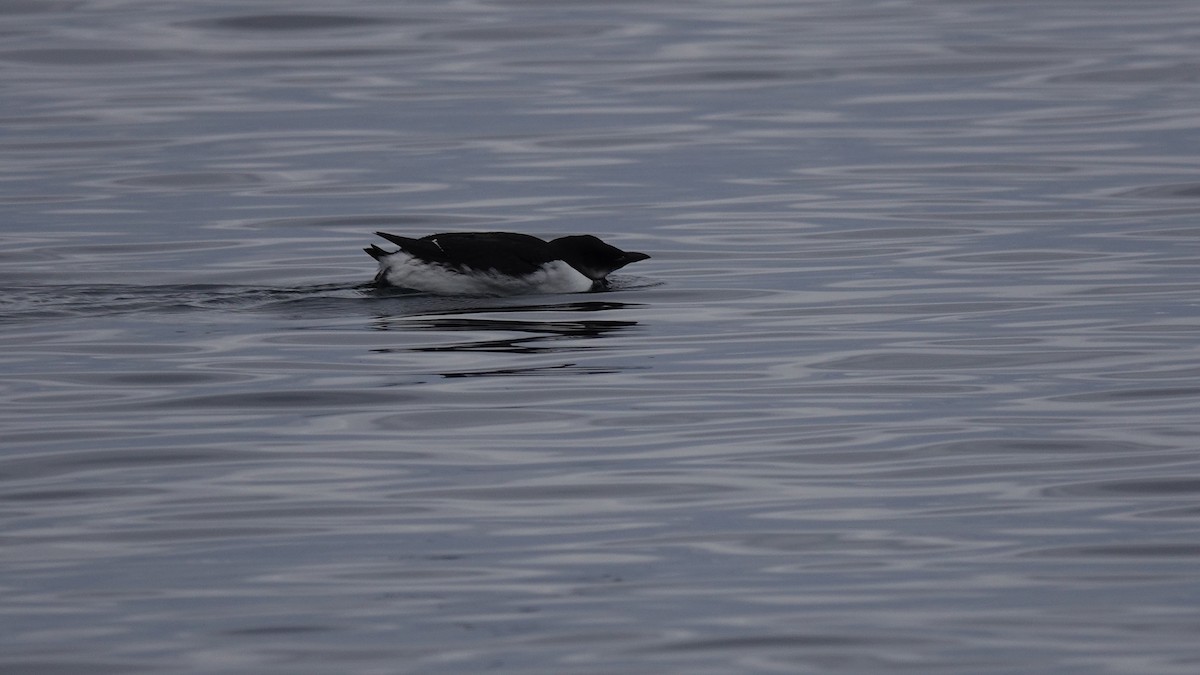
908	382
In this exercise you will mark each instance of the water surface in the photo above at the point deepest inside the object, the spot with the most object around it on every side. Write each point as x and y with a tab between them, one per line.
910	383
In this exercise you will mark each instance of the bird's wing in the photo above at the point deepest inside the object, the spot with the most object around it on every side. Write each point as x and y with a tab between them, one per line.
505	252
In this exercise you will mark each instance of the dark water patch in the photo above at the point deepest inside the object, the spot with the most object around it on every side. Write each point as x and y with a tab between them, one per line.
639	491
58	435
1038	170
66	666
174	534
320	55
1136	395
74	145
119	380
415	224
195	181
94	57
1148	75
775	542
496	418
306	399
278	630
733	76
1149	290
1147	552
1027	257
955	67
929	310
768	642
1153	487
721	78
1188	233
102	456
1170	191
1005	447
522	33
292	22
258	510
78	495
935	362
41	199
620	139
18	7
891	232
1184	512
987	342
875	388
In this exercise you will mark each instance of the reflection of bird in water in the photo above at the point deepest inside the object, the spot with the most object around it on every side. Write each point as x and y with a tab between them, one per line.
553	339
498	263
531	336
536	332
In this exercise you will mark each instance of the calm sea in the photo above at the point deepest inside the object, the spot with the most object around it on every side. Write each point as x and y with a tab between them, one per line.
911	383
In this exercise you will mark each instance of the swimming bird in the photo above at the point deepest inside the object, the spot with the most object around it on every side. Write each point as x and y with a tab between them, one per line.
498	263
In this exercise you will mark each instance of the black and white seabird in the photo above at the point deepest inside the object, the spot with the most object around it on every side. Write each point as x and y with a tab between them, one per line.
498	263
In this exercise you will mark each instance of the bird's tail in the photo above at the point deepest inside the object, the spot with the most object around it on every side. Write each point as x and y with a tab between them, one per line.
376	252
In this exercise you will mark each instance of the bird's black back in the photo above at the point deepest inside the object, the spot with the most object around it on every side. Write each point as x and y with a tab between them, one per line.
505	252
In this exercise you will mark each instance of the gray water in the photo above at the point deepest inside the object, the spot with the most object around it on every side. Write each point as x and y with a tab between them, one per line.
910	384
